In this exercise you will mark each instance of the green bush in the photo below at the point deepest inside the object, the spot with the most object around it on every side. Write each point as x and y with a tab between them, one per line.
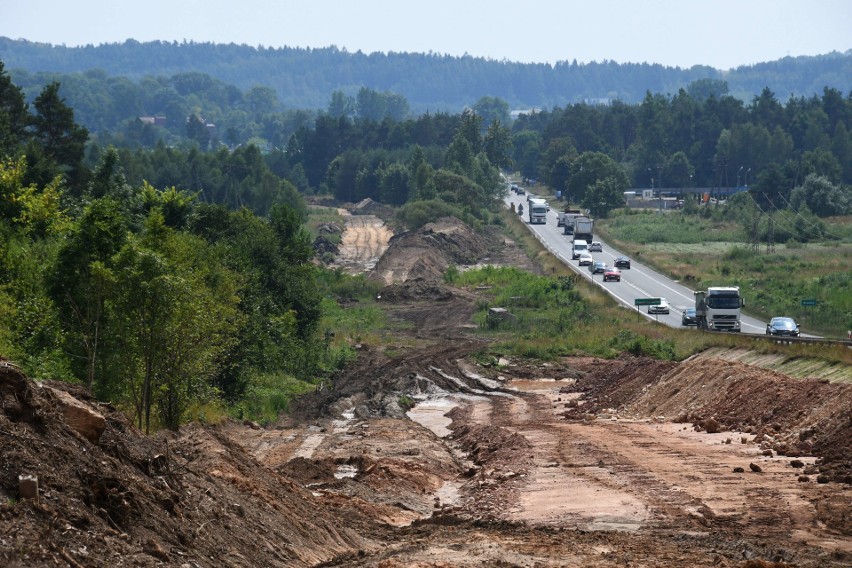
631	342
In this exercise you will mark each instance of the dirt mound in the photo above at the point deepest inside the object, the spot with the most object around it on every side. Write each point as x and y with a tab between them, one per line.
429	251
416	289
793	417
176	498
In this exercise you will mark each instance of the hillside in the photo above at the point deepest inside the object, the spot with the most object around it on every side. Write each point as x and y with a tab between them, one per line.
427	454
306	78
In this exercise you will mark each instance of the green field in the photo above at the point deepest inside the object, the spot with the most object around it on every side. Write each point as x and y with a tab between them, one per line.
708	252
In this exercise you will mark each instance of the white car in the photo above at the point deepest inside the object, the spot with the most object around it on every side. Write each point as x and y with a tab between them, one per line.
595	246
586	259
661	308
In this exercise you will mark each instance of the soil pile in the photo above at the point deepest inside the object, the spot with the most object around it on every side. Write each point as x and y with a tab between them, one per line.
160	500
791	417
429	251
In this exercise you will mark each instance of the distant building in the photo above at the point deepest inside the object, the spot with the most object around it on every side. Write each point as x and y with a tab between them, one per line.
153	120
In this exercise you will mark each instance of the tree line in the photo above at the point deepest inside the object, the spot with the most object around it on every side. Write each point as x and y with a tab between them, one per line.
166	278
304	78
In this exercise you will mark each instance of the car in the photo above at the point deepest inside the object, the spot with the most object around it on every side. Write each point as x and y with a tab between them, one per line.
612	273
661	308
782	326
688	317
595	246
597	267
585	259
622	262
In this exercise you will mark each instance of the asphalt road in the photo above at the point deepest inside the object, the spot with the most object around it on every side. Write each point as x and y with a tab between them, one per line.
637	282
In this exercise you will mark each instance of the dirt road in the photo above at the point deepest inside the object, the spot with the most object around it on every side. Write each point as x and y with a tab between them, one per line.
364	240
492	473
436	453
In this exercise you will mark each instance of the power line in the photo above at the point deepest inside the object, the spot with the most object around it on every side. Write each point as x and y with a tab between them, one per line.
808	221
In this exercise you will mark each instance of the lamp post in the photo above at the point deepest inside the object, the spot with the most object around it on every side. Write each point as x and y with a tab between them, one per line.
748	171
738	175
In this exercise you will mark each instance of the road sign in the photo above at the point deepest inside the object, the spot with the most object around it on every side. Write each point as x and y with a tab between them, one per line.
809	302
647	301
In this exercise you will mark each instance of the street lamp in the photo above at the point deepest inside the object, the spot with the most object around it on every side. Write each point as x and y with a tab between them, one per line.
746	177
738	175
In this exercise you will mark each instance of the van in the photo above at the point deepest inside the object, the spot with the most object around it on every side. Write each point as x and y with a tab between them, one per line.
578	248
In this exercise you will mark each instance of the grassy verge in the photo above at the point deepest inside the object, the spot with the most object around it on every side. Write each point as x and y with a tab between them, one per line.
708	252
319	216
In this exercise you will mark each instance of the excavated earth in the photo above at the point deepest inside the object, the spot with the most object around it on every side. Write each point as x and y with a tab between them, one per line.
428	454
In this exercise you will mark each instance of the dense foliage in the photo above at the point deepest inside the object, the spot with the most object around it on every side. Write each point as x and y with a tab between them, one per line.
171	278
306	78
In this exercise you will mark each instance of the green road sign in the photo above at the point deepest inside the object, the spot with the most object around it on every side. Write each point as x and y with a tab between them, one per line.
647	301
809	302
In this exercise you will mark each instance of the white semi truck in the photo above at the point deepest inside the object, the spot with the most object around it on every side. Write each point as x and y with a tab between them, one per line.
719	308
537	210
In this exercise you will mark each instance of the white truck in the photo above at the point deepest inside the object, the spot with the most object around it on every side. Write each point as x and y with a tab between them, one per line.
578	247
537	210
719	308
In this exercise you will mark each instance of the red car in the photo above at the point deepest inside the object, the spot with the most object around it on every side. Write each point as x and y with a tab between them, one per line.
612	273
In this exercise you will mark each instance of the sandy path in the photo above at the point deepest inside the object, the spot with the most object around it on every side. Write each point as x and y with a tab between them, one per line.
624	475
363	242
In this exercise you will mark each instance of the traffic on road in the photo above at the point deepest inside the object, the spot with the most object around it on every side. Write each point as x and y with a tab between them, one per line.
637	286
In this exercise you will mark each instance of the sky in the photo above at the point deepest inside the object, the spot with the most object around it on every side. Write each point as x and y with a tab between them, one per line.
720	33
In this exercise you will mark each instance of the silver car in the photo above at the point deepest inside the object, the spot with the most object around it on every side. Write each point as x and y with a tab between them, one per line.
661	308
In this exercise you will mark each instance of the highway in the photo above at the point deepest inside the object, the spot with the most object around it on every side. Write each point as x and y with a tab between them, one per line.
637	282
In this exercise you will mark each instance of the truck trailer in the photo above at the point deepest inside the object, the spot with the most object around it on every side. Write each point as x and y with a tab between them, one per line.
583	228
567	213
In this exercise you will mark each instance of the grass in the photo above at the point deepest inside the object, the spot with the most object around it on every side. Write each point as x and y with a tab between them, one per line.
558	314
319	216
705	253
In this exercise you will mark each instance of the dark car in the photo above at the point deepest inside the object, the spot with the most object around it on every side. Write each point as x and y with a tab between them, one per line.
597	267
782	326
612	274
688	317
622	262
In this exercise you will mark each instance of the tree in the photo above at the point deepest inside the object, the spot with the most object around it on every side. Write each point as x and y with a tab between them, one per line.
395	184
470	129
173	313
491	109
703	89
341	105
822	197
605	194
679	171
58	142
14	115
82	276
196	130
459	156
591	167
498	145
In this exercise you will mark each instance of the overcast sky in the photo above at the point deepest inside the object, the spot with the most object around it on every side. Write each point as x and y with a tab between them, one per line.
720	33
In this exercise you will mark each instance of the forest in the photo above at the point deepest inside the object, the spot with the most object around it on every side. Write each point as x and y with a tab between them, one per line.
171	270
304	78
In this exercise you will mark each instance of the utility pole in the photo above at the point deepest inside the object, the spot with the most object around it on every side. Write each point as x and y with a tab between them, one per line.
770	231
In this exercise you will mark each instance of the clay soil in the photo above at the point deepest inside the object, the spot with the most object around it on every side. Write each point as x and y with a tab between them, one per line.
427	454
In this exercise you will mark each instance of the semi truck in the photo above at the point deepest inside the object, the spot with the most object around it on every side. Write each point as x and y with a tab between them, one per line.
719	308
583	228
537	211
567	213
